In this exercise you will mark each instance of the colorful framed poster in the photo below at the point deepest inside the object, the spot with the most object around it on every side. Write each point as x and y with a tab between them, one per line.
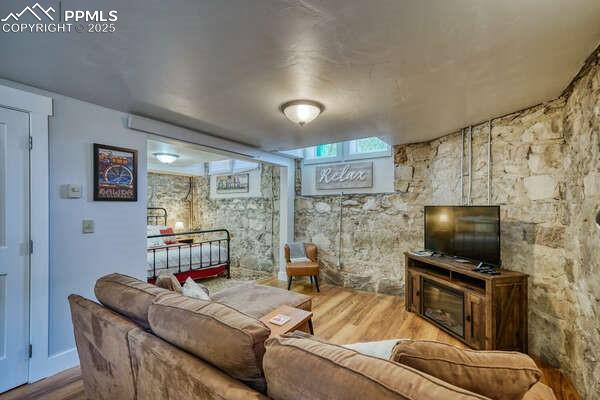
115	173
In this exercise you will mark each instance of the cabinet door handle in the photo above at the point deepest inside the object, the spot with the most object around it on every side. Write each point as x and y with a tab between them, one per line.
418	293
468	318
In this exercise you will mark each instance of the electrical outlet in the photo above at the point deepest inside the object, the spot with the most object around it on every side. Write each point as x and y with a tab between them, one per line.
87	226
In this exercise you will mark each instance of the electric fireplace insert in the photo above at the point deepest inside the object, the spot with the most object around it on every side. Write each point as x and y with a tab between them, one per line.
444	306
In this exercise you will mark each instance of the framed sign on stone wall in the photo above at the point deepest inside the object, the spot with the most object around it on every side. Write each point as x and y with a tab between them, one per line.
344	176
237	183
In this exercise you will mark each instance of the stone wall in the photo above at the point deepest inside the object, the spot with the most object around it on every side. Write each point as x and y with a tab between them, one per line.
171	192
545	174
252	222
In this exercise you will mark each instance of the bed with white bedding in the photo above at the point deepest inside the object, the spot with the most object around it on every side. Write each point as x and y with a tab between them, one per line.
176	257
197	254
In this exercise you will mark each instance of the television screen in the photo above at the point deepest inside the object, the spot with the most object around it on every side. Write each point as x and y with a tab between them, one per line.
471	232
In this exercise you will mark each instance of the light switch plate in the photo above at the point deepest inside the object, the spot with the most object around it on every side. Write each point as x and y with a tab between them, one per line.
87	226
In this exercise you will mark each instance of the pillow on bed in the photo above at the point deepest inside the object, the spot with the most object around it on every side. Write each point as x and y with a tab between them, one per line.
194	290
168	239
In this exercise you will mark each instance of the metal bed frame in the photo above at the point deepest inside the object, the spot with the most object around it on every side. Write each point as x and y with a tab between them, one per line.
192	270
156	214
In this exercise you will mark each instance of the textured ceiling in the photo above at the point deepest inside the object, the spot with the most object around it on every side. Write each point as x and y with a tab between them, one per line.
410	70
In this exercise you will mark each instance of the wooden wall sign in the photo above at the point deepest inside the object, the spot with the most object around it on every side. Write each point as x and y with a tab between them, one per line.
344	176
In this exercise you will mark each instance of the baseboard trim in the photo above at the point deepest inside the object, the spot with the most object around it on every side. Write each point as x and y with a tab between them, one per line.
54	364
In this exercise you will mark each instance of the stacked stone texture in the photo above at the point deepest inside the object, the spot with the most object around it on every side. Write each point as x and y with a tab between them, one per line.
169	192
545	175
252	222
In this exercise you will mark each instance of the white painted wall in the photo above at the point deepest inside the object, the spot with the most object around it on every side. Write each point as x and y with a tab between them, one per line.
119	241
383	178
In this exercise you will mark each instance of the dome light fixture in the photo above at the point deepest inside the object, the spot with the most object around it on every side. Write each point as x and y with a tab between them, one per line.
166	158
302	112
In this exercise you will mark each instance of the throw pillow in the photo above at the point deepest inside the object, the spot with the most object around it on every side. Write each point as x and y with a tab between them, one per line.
380	349
169	282
168	239
500	375
195	290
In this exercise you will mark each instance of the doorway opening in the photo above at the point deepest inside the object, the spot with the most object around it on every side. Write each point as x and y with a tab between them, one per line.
211	216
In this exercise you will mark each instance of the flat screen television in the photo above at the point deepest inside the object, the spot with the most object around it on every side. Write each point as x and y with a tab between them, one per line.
470	232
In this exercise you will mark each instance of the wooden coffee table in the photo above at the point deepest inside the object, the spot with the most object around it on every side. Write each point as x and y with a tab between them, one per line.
299	320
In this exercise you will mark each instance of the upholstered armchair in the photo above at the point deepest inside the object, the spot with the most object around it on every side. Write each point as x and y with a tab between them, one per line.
308	268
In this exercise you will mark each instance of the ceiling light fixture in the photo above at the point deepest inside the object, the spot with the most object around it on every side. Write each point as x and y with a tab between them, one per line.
166	158
302	112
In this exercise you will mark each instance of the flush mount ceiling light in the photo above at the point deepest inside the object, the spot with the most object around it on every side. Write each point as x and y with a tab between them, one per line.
166	158
302	112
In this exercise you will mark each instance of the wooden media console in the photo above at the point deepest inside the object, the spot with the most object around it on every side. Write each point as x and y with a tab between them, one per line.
486	312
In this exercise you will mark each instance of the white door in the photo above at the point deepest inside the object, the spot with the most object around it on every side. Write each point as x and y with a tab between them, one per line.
14	248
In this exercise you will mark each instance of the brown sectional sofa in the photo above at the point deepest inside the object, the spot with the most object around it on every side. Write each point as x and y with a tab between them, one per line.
149	343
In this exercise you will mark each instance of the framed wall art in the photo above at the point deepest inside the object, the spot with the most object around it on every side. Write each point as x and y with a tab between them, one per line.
239	183
115	173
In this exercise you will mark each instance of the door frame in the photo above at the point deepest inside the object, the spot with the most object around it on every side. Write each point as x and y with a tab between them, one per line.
287	168
39	108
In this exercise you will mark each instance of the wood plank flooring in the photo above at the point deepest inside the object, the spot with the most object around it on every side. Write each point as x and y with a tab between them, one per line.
340	315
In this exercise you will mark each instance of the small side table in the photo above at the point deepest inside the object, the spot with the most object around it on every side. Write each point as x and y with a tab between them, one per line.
299	320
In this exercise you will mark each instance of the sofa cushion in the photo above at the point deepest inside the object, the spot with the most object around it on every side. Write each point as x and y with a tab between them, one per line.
309	368
163	371
496	374
127	296
302	268
259	300
218	334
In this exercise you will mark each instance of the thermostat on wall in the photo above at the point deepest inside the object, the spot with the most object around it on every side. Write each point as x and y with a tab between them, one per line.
73	191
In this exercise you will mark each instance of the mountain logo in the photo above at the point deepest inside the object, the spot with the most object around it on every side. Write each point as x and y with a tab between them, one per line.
31	10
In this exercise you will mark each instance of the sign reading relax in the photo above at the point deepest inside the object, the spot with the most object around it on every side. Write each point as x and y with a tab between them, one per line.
345	176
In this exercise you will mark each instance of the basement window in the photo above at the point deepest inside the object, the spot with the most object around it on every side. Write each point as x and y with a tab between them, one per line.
358	149
366	148
323	153
228	167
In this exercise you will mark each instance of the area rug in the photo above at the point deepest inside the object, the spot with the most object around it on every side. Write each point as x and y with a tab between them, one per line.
238	276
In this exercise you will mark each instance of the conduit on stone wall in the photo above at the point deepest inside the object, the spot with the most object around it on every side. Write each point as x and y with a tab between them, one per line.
189	198
462	167
339	258
489	162
470	138
470	164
